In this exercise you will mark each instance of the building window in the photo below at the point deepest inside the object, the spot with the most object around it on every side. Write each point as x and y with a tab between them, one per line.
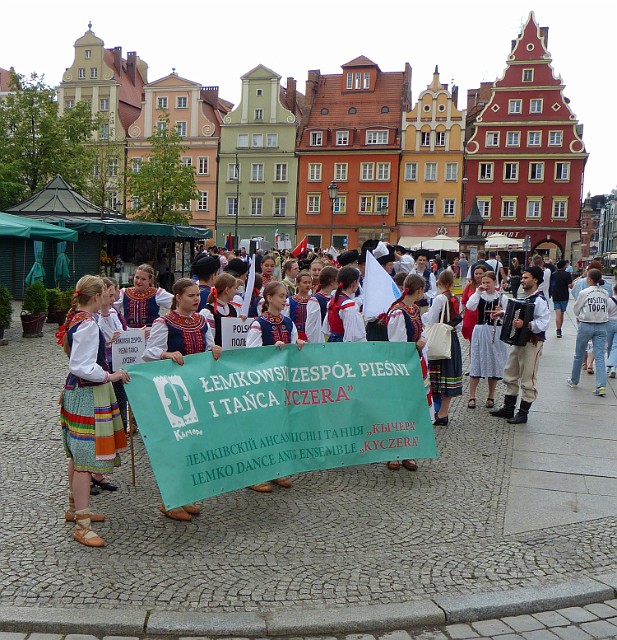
259	92
280	205
257	140
136	165
484	206
243	141
313	204
342	138
562	171
449	207
233	172
383	171
181	128
486	171
257	204
527	75
535	105
430	172
340	172
314	173
492	138
104	132
440	138
182	102
349	80
515	106
534	209
104	104
560	208
93	73
315	240
257	172
280	172
272	140
411	171
186	161
161	103
381	203
316	138
112	167
513	139
232	206
376	137
81	73
451	171
367	80
428	208
88	53
366	204
536	171
534	138
508	208
510	171
161	126
69	104
339	204
555	138
340	242
135	203
358	80
203	165
409	206
425	138
259	114
113	202
367	171
202	203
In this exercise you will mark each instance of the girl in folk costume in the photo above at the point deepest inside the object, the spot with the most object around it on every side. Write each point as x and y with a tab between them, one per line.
315	269
273	328
296	304
343	321
221	304
268	265
488	353
405	325
141	304
317	306
92	430
446	375
182	332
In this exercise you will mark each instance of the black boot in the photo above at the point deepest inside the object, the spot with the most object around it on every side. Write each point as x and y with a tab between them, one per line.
521	416
507	410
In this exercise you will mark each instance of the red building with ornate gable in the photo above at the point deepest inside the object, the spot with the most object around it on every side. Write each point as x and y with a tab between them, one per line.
351	135
525	156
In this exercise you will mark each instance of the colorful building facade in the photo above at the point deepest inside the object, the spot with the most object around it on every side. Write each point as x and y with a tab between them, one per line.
525	154
196	112
431	166
351	136
258	171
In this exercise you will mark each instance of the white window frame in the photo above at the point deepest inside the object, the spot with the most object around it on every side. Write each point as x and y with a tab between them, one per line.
182	102
341	171
411	171
492	138
104	104
366	80
527	75
186	161
202	202
349	84
314	171
536	168
440	138
532	136
257	172
514	171
365	203
449	207
69	104
242	141
515	106
488	173
280	172
342	138
559	174
383	171
203	165
555	138
381	203
508	206
94	73
428	206
425	138
513	139
316	139
182	128
451	171
272	140
484	206
257	141
162	102
339	204
430	172
279	206
81	73
112	167
536	105
233	172
136	164
104	131
377	136
313	203
88	54
534	204
367	171
257	206
232	206
259	113
558	204
406	210
161	125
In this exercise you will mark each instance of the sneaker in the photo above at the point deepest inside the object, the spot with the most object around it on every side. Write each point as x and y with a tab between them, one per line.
571	384
558	333
600	391
612	373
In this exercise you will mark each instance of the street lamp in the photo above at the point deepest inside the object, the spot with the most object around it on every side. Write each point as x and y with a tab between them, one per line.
332	193
237	176
384	212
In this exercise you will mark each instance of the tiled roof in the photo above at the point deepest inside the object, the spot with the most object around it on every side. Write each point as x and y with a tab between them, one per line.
129	94
360	61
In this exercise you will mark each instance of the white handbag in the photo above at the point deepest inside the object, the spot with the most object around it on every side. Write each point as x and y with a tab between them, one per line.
439	337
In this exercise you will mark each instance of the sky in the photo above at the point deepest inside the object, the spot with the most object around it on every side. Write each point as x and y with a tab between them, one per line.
216	43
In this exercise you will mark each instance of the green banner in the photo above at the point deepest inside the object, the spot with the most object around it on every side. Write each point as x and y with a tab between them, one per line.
257	414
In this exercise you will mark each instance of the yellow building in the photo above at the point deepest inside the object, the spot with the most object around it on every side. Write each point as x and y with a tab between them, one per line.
431	174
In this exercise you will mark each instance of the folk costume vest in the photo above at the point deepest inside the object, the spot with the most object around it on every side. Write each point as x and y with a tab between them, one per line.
140	307
297	312
72	380
186	335
275	329
218	338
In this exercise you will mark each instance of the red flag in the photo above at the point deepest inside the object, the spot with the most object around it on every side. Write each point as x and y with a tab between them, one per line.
301	248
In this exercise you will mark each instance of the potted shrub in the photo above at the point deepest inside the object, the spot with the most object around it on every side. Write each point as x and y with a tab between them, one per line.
6	311
53	304
34	310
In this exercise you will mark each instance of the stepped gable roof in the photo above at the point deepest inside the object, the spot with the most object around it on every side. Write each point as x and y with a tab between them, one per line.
58	197
360	61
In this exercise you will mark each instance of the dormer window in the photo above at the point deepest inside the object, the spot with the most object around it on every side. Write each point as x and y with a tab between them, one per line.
376	137
316	138
367	80
342	138
350	80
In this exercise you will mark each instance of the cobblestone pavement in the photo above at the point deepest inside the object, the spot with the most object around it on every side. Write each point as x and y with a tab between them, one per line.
362	535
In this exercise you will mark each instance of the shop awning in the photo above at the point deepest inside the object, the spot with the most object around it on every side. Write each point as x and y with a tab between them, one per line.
22	227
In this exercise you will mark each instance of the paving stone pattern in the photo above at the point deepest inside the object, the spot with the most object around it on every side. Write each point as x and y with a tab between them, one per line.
362	535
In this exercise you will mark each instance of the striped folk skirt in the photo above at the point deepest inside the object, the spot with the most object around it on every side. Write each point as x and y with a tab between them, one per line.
447	375
92	430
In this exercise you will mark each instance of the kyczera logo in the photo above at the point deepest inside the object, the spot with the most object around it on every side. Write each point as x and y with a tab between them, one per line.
176	401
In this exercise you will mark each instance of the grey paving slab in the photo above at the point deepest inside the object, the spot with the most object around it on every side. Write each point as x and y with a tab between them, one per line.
523	623
551	619
542	634
491	628
601	486
196	623
461	631
582	465
568	445
45	636
577	614
560	425
571	633
601	610
600	629
550	480
10	635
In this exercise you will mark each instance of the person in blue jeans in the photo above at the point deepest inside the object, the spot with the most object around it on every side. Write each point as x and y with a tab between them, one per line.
591	310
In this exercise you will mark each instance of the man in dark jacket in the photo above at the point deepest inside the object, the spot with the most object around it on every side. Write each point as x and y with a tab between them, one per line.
561	283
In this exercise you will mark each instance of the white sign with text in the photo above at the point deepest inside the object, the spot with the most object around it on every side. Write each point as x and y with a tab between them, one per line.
234	332
128	348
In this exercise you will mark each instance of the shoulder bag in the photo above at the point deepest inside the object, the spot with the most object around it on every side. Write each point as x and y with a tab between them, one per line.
439	336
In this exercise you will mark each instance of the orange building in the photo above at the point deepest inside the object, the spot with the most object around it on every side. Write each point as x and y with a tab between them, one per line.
351	136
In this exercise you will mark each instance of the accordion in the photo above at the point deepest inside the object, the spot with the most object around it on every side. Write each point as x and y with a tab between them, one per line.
517	309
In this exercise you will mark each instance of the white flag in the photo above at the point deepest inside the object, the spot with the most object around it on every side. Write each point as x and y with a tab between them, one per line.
333	252
379	290
248	292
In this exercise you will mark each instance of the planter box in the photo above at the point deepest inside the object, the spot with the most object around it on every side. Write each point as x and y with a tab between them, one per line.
32	325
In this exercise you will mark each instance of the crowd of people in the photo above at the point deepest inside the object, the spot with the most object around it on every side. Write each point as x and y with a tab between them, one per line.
318	298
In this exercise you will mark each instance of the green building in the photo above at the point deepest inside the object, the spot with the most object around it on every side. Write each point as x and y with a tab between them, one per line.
258	167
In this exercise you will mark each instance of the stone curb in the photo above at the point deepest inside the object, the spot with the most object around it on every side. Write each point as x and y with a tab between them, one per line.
437	612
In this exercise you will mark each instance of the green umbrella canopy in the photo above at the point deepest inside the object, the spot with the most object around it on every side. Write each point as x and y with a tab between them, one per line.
35	229
37	272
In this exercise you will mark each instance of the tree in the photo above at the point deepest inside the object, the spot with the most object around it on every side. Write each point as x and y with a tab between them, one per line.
36	142
163	185
107	157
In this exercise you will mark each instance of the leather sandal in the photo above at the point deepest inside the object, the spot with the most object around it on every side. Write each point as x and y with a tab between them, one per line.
69	516
410	465
490	403
176	514
262	487
282	482
472	403
192	509
393	465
